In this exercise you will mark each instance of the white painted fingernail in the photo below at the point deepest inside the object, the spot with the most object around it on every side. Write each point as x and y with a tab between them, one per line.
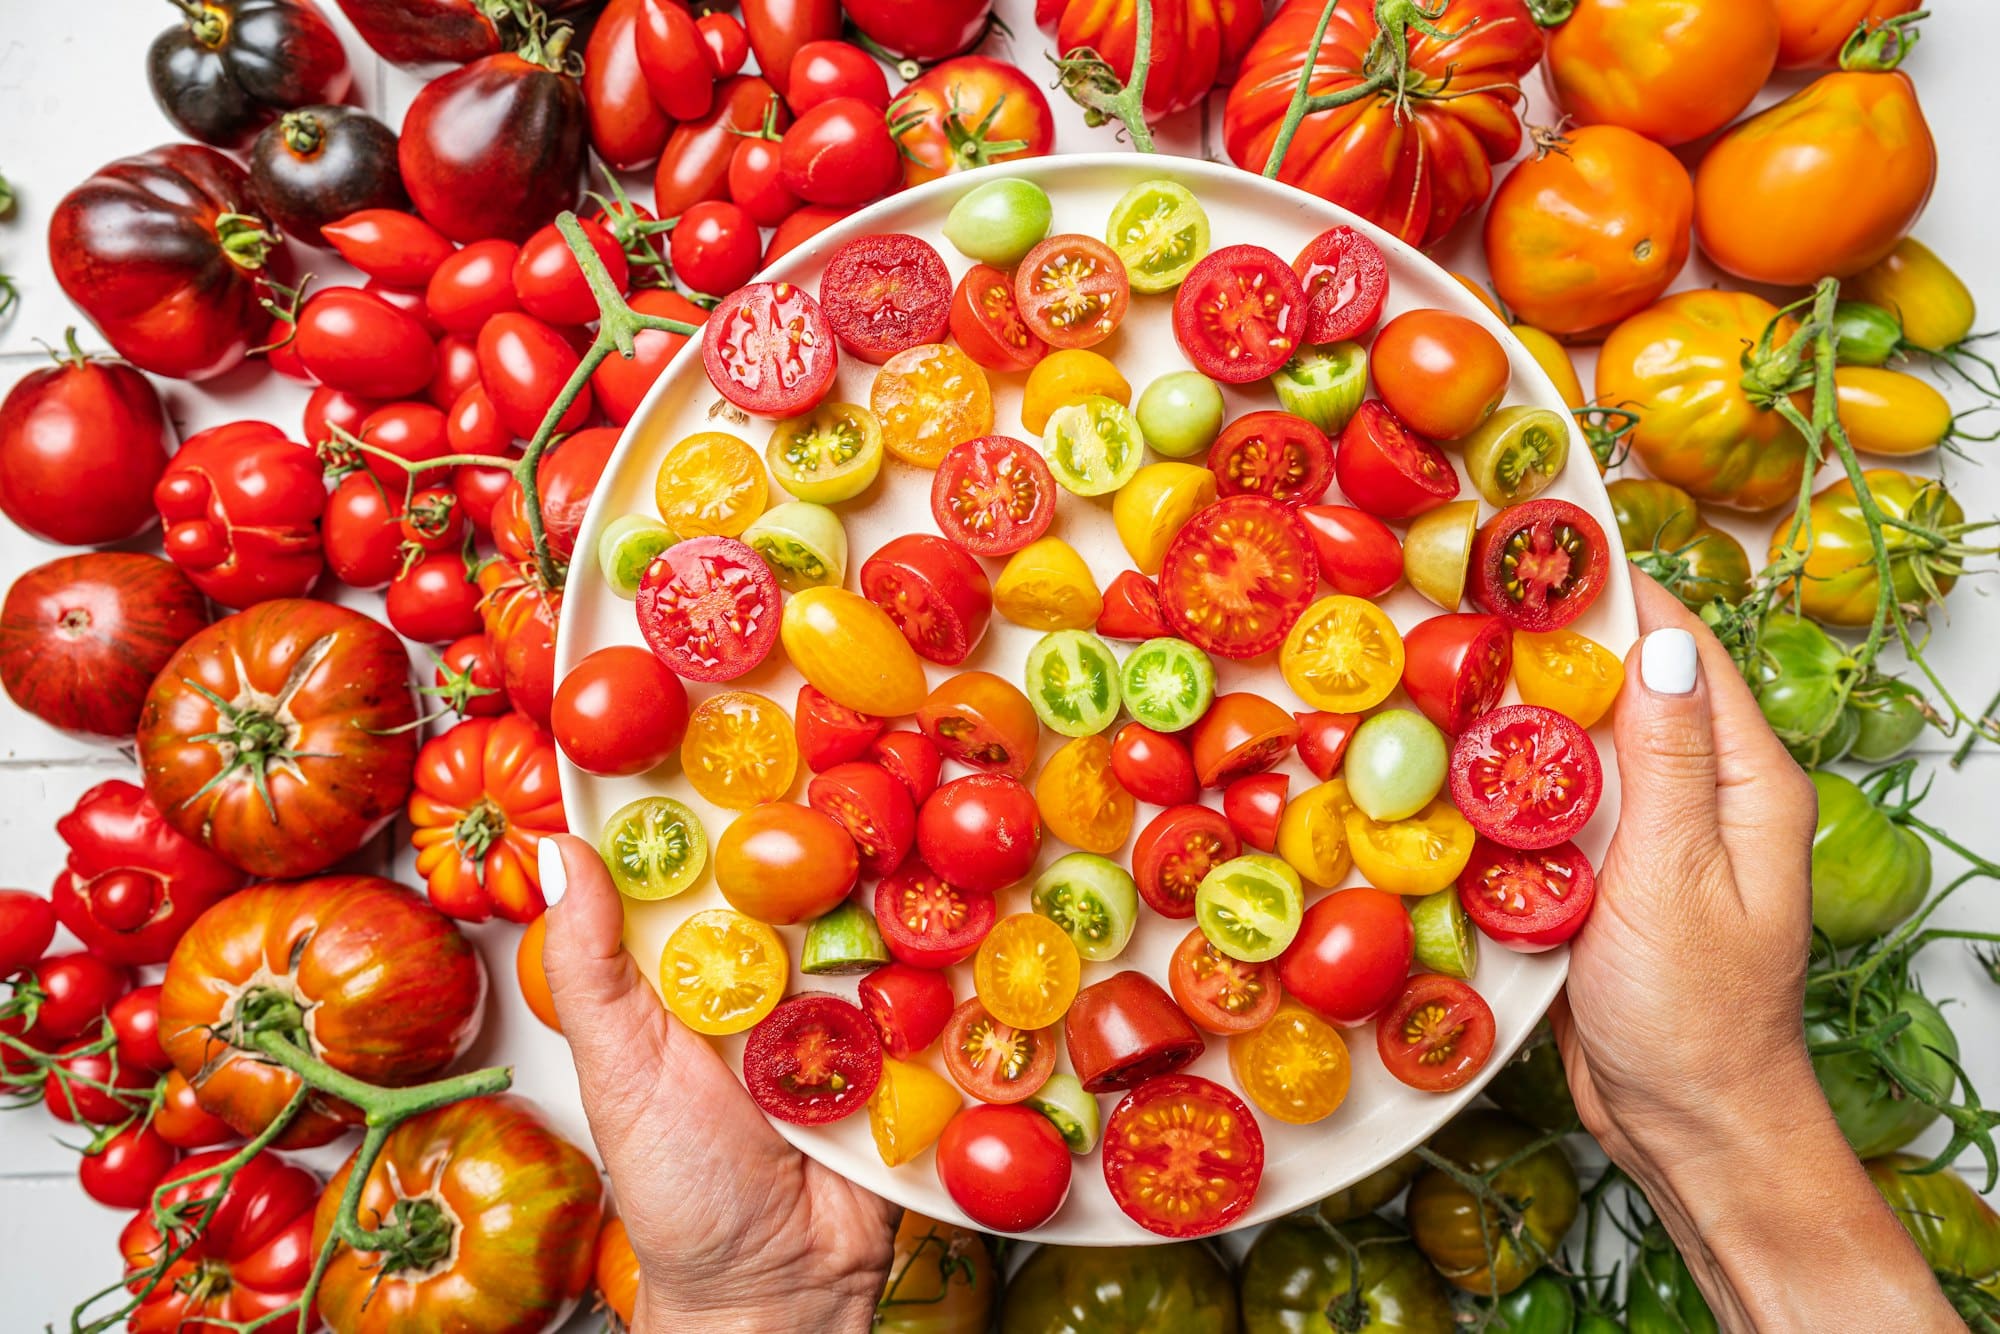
1668	663
555	876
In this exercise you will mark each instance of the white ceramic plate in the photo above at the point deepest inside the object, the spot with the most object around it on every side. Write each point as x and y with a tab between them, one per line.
1381	1119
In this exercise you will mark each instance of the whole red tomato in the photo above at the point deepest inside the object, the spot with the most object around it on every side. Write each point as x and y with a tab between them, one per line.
133	883
81	445
627	128
485	795
253	1258
968	112
1196	43
76	991
695	163
778	28
1414	158
434	600
363	530
124	1173
508	1211
82	637
520	614
1351	955
523	365
296	747
497	148
381	985
355	340
181	1120
27	925
242	506
160	253
620	384
922	30
621	711
840	153
800	226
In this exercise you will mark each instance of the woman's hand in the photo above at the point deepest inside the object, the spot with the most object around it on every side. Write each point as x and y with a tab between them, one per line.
734	1229
1683	1032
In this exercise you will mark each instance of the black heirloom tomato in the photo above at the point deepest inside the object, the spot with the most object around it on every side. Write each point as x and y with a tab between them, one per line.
318	164
233	65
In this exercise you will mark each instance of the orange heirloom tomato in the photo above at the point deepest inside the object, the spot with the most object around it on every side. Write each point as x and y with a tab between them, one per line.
740	749
1295	1067
1342	655
940	1280
1027	971
533	979
1840	584
617	1270
1590	231
486	795
1081	800
1823	184
1680	366
1890	412
1420	855
1561	670
722	972
929	398
849	650
1046	586
909	1109
1811	33
710	485
1911	282
1672	70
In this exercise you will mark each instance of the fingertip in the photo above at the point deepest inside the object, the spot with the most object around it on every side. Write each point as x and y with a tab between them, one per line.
586	914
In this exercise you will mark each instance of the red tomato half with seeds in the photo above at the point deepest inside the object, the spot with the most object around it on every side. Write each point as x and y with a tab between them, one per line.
1237	575
828	733
1132	609
993	495
813	1060
1528	901
1175	850
1539	565
939	597
769	350
1183	1156
1072	290
1126	1030
1273	454
709	608
1346	282
884	295
1455	667
1526	777
911	758
1240	314
986	322
874	808
1437	1035
992	1061
909	1007
1221	994
1388	470
928	922
1242	733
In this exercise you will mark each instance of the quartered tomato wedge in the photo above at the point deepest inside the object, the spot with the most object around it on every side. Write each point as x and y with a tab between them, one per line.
1437	1035
908	1006
769	350
1539	565
873	807
1273	454
1358	554
1242	733
1240	314
1254	805
828	733
1132	609
1526	777
1237	576
1346	282
911	758
993	495
1564	671
1388	470
987	323
1455	667
928	922
1183	1156
708	608
911	1106
1176	851
1528	901
1295	1068
885	293
939	597
1072	290
1221	994
1081	800
1323	739
982	720
813	1060
992	1061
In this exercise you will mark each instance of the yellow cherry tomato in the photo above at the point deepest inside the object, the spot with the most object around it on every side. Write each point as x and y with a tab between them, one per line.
1046	586
1343	655
1562	670
1152	507
909	1109
1067	376
1081	800
929	398
1420	855
1891	413
722	972
1912	283
1553	358
1312	833
1295	1068
1027	971
739	750
710	484
849	650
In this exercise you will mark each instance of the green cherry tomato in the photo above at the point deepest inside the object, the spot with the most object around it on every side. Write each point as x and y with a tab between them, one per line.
999	222
627	546
1160	231
1542	1305
1868	872
1325	385
1875	1114
1865	334
1167	684
1533	1087
1446	942
1660	1293
1073	1112
1297	1270
1093	446
1516	454
1395	764
846	940
1250	907
1800	678
803	543
1091	898
828	455
1072	680
655	848
1181	414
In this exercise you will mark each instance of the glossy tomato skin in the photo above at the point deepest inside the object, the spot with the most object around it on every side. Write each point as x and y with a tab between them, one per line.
1812	32
1528	901
909	1007
753	331
77	990
1006	1166
874	808
694	165
1323	739
840	154
824	70
495	148
620	711
986	321
922	32
627	128
125	1171
82	443
1152	1135
519	615
395	246
472	285
485	796
1125	1030
716	247
549	281
1253	806
354	340
1526	777
828	733
756	181
222	79
241	507
800	226
1132	609
1153	766
782	863
1388	470
1351	955
778	28
968	90
1437	1035
1440	373
315	165
258	1242
910	757
688	578
981	831
939	597
434	600
27	925
523	365
1195	46
181	1120
1455	667
133	884
618	384
135	1018
74	1095
1346	282
1175	850
673	60
728	44
1673	72
433	31
1241	734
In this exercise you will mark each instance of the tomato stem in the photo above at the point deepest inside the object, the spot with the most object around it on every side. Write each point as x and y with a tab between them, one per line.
1388	63
1881	47
1094	85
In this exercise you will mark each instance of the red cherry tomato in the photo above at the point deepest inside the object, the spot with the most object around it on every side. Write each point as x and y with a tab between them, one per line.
472	286
1346	282
728	46
841	154
757	182
769	350
923	33
1358	554
619	711
1153	766
928	922
620	384
716	247
800	226
1132	609
329	407
1221	994
1175	850
1441	373
1254	805
1528	901
523	366
411	431
1526	777
77	990
627	127
822	71
1323	739
993	496
992	1061
98	1090
981	831
874	808
135	1018
549	281
434	600
982	720
1072	290
1351	955
1437	1035
1273	454
939	597
468	680
1241	734
1240	314
884	295
1125	1030
778	28
181	1120
354	340
708	607
909	1007
123	1174
1183	1156
433	521
986	322
1006	1167
828	733
1237	575
1539	565
407	300
694	165
1388	470
27	925
399	248
1455	667
457	370
910	757
674	59
813	1060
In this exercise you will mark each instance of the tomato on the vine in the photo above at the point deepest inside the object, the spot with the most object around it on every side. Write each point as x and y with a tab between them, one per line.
434	599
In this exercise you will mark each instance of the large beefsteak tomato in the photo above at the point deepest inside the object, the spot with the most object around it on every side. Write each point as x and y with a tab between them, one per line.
134	883
486	795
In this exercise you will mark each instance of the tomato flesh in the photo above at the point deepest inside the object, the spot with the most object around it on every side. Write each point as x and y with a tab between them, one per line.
1237	575
1221	994
1240	314
1183	1156
993	496
1346	282
708	607
1528	901
938	596
993	1061
1072	291
1526	777
813	1060
1438	1034
769	350
1175	851
1126	1030
1539	565
884	294
986	321
1273	454
928	922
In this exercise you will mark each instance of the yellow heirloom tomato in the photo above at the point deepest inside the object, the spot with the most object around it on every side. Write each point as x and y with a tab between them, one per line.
739	750
1312	833
1343	655
1150	509
1841	585
1420	855
909	1109
850	651
710	484
1562	670
722	972
1046	586
1069	375
1295	1067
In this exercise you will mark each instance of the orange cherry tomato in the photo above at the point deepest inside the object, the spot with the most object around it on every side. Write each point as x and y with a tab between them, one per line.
1081	800
782	863
1673	70
1440	373
930	398
1811	33
617	1270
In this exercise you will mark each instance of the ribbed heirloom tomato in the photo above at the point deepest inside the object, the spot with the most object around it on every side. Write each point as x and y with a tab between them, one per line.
253	1257
486	795
1672	70
1196	43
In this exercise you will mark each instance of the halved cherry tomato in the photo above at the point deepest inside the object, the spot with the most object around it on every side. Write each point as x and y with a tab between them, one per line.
1351	955
1437	551
1237	576
1343	655
909	1109
911	758
1071	290
1183	1156
830	733
710	485
993	1061
1323	739
928	922
1221	994
1438	1034
1346	282
1273	454
813	1060
993	495
1125	1030
938	596
1526	777
1047	586
885	294
1242	733
1421	854
1312	835
1358	554
1564	671
909	1006
930	398
1388	470
1081	800
984	721
722	972
1132	609
708	607
1155	504
1254	805
1027	970
1240	314
1176	851
873	807
1455	667
783	864
1528	901
986	321
1295	1068
769	350
1441	373
1539	565
1153	766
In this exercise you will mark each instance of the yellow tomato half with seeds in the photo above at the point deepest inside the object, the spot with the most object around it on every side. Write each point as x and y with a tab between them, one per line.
1046	586
1562	670
1295	1068
1343	655
929	398
710	485
1420	855
1081	800
722	972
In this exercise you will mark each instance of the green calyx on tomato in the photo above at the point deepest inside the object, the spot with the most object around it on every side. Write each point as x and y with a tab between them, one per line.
1802	677
1888	1074
1305	1273
1665	536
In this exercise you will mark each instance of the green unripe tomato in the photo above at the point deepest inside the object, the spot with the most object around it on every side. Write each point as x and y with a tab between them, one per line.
1395	764
999	222
1180	414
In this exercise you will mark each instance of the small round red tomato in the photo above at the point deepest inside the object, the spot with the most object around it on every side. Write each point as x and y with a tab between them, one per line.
993	495
412	432
1358	554
468	288
984	721
782	863
909	1007
911	758
328	407
1389	471
822	71
1071	290
769	350
433	600
967	112
1455	667
885	294
135	1018
992	1061
125	1171
716	247
77	990
813	1060
1221	994
986	321
1526	777
549	281
928	922
981	831
354	340
1237	575
799	227
1240	314
457	370
1346	282
91	1087
939	597
727	44
1272	454
467	679
840	154
620	384
1351	955
830	733
1253	807
1242	733
874	809
1437	1035
1132	609
1183	1156
397	247
1528	901
1153	766
757	182
1125	1030
433	521
1539	565
523	366
619	711
1006	1167
27	925
1175	850
709	608
1441	373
